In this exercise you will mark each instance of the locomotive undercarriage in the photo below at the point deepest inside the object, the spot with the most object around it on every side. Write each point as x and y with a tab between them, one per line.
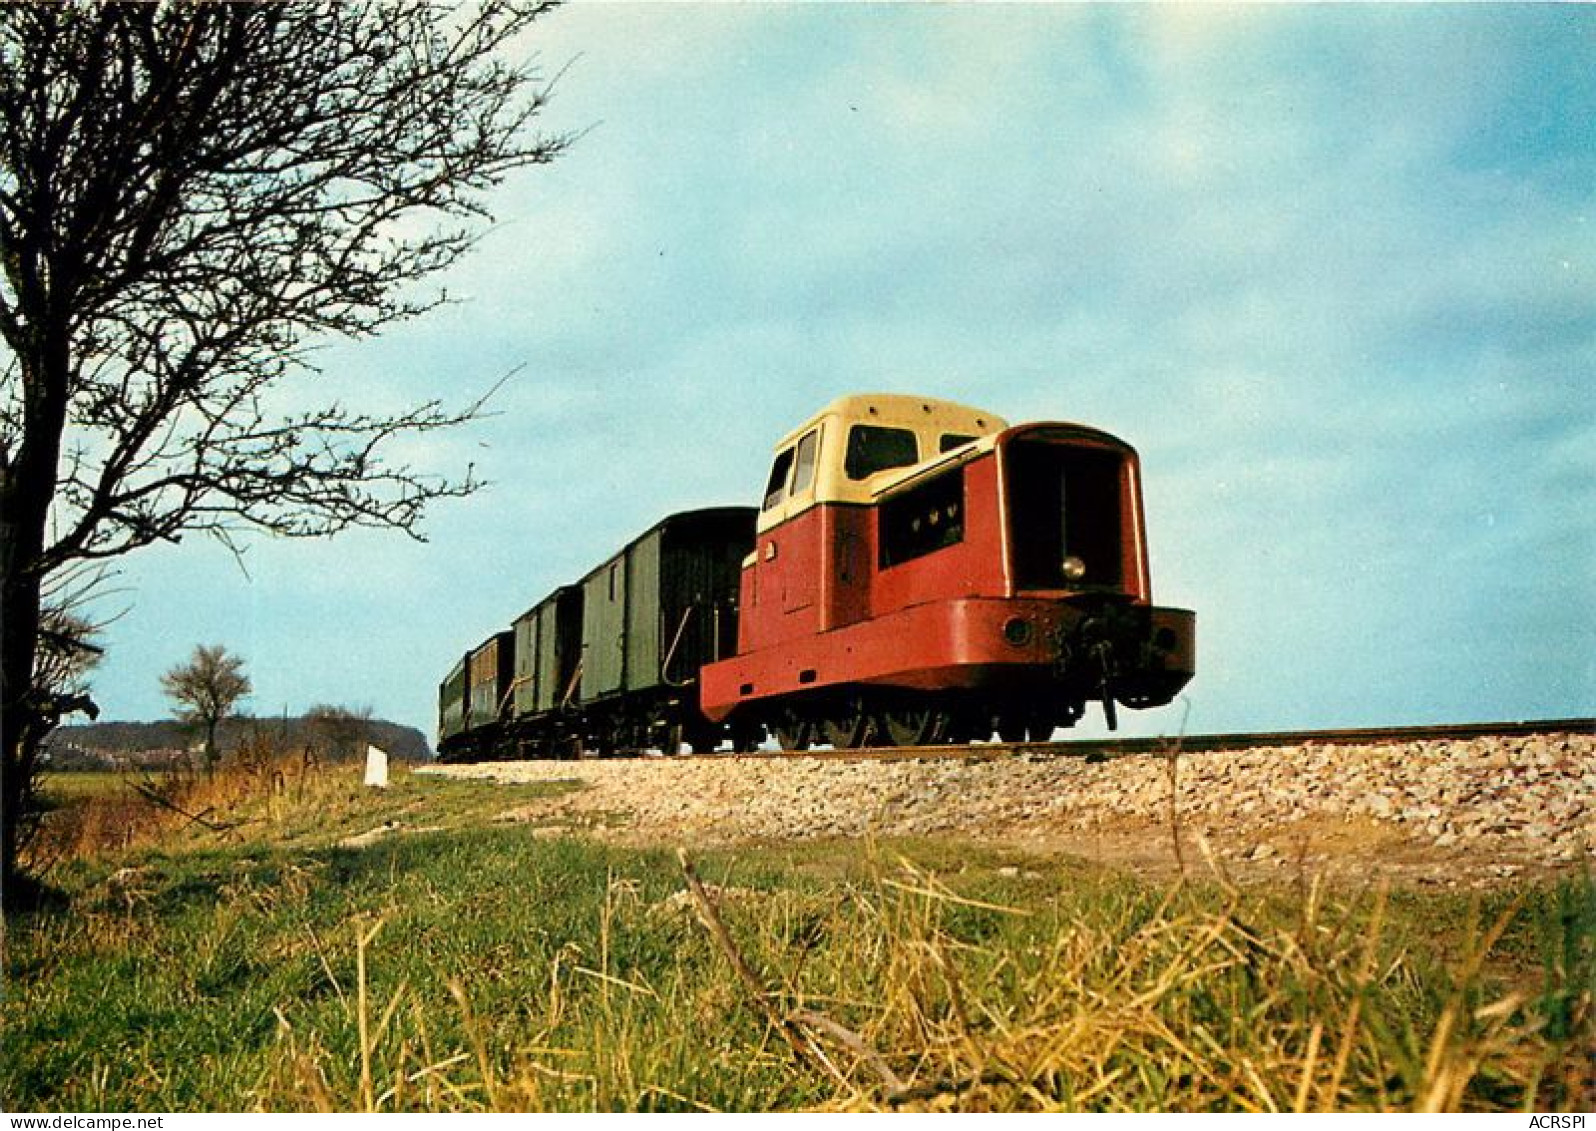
870	717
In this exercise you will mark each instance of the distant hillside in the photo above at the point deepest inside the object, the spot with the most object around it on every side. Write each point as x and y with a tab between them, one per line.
95	745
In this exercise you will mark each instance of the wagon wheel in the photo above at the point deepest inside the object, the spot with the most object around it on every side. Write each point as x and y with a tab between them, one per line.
913	726
604	740
849	731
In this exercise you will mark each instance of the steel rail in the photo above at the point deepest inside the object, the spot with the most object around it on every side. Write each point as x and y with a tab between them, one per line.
1344	736
1097	749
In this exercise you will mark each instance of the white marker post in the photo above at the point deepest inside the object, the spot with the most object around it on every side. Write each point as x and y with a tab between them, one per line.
376	767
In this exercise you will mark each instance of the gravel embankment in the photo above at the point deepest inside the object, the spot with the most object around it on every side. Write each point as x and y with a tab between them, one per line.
1455	812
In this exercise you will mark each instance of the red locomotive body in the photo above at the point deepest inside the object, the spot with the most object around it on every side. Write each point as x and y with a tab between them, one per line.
924	573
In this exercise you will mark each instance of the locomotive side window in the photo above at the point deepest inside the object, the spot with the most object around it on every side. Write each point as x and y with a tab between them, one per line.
920	521
872	448
951	440
804	477
776	488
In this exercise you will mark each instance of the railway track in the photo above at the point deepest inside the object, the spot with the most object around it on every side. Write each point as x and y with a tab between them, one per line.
1097	749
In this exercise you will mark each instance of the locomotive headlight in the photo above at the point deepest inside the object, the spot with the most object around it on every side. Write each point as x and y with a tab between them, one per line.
1074	568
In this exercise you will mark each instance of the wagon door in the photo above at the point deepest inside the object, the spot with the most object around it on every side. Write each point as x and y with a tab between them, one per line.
643	612
604	606
559	649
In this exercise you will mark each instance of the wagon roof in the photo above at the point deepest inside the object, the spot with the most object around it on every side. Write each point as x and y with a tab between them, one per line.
700	514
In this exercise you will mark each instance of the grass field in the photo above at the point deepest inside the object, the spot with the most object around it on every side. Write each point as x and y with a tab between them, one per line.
312	945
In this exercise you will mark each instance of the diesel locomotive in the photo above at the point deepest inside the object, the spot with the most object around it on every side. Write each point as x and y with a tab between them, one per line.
917	572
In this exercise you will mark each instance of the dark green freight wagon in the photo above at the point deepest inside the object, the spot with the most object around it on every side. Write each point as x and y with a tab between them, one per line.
548	653
651	617
452	703
491	671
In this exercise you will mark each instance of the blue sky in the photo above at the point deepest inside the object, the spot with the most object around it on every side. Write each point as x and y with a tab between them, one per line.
1331	269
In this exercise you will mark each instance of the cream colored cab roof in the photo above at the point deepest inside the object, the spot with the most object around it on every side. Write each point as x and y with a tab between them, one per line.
929	419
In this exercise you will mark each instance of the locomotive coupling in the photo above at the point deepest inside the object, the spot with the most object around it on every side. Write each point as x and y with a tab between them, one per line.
1117	652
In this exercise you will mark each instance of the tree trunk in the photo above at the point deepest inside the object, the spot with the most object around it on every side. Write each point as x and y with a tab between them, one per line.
22	725
210	746
26	488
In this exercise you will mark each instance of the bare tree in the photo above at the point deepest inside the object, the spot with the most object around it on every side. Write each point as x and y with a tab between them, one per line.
206	690
192	196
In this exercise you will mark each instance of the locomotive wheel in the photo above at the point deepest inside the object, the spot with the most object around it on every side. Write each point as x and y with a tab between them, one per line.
848	732
1024	727
793	735
965	727
914	726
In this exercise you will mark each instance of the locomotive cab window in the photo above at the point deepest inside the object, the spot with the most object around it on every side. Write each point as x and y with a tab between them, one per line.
776	488
872	448
803	476
951	440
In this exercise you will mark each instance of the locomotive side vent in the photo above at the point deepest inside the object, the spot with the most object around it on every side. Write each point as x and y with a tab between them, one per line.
1065	517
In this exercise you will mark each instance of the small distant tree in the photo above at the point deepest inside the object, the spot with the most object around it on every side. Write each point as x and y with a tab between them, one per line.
206	690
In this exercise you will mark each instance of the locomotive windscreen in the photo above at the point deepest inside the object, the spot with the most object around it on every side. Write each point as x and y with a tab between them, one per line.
1065	516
